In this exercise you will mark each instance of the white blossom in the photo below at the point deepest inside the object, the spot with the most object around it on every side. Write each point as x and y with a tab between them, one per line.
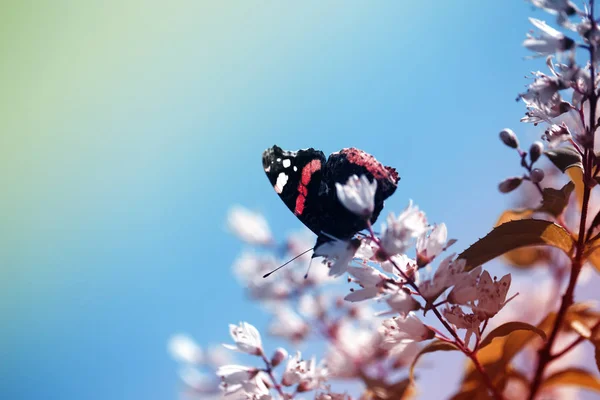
246	338
400	330
465	289
339	253
358	195
457	317
556	6
371	280
249	226
491	294
430	246
399	233
549	41
402	302
184	349
288	324
556	134
233	377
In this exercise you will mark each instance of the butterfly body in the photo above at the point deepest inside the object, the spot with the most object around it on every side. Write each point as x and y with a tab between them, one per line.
305	181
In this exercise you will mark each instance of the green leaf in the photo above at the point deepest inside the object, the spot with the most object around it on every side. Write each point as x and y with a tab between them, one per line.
575	377
554	201
513	235
564	158
436	345
508	328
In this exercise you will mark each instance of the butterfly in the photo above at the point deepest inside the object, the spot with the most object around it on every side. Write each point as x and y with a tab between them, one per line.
305	181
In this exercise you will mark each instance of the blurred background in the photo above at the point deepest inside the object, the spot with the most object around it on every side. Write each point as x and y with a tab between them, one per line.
130	127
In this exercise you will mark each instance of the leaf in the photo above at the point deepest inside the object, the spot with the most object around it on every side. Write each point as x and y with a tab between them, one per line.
554	201
575	377
508	328
576	176
436	345
525	256
513	235
564	158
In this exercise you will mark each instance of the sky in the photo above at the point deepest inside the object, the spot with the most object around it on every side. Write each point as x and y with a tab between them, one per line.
130	127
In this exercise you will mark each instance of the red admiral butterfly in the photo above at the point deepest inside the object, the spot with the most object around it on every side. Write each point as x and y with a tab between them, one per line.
305	181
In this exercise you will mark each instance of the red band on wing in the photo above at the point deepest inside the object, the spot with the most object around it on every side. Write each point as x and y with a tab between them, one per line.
307	172
363	159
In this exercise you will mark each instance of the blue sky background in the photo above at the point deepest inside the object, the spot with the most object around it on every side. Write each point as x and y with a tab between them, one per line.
131	127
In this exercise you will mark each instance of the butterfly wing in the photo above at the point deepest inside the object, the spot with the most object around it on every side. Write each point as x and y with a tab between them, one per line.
339	167
296	176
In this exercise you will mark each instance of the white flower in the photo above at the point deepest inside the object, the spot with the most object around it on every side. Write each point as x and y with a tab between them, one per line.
556	134
295	370
549	42
249	268
184	349
456	316
355	346
358	195
400	330
465	289
398	235
371	281
246	338
249	226
449	272
556	6
339	253
198	381
491	294
544	112
429	247
288	324
402	261
402	302
233	377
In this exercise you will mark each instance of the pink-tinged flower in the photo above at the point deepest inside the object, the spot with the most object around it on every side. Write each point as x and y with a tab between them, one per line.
406	264
234	377
449	272
367	250
399	233
430	246
549	41
249	226
402	303
544	112
556	134
556	7
371	281
288	324
491	294
400	330
465	289
279	355
358	195
246	338
354	346
249	268
543	89
198	381
339	254
295	370
184	349
332	396
457	317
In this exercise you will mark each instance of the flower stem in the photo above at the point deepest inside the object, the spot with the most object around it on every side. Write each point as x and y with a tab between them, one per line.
458	341
545	353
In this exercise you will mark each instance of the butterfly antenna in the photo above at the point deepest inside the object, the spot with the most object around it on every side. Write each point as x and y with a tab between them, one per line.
287	262
308	269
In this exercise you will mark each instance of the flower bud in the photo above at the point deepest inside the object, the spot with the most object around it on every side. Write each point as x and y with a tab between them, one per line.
537	175
535	151
279	355
509	184
509	138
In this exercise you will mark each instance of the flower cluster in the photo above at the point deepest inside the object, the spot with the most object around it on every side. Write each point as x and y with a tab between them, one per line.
407	296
